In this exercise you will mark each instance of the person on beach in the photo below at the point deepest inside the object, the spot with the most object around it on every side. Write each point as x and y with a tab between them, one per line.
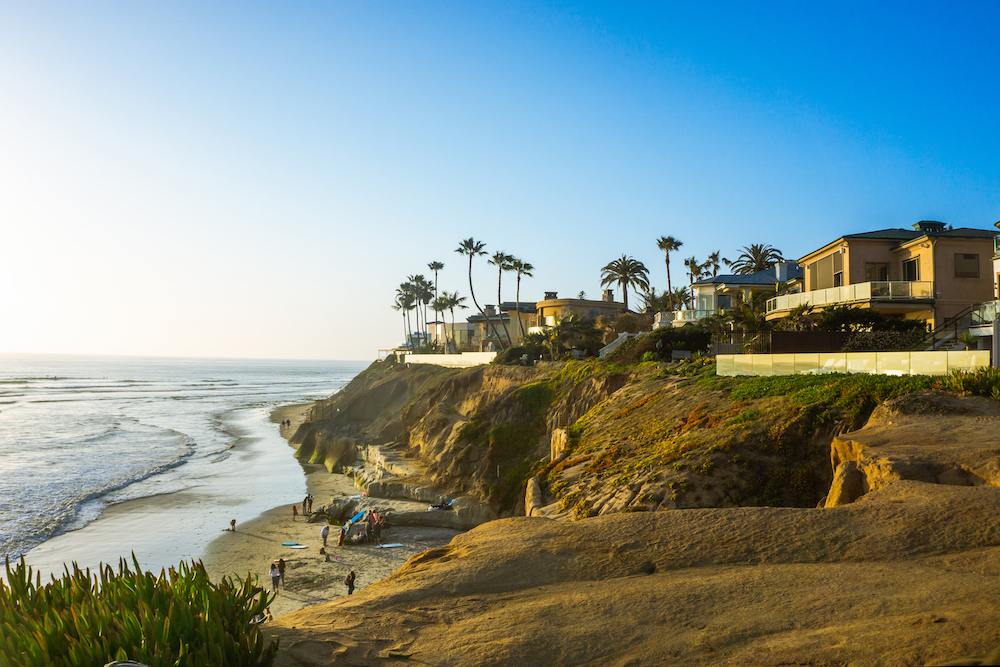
343	534
232	525
311	503
325	533
295	512
281	570
349	582
305	506
377	533
275	577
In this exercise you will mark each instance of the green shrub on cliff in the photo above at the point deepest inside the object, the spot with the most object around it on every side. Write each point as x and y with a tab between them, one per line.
179	618
980	382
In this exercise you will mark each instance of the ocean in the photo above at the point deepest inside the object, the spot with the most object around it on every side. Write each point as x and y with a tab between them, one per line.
187	443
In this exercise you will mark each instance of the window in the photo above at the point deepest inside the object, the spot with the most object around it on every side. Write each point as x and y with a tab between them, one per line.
911	270
966	266
876	272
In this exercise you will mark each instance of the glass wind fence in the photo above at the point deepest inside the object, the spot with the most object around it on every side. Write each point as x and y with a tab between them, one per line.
690	315
856	292
985	313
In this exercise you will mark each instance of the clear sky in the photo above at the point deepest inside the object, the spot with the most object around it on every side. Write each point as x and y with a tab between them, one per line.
255	179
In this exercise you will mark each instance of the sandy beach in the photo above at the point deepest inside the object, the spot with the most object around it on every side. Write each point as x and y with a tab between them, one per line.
310	579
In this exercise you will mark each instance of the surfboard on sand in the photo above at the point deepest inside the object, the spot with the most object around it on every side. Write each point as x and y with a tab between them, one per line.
288	544
389	546
299	546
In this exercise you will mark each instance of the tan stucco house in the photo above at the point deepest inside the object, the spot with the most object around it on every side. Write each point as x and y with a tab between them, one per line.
930	273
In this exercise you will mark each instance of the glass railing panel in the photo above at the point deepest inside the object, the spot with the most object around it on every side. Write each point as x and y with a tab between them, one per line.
807	363
782	364
898	290
879	290
923	290
863	291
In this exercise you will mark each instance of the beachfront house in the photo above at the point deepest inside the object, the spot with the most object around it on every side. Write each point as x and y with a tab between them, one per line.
551	309
930	273
718	293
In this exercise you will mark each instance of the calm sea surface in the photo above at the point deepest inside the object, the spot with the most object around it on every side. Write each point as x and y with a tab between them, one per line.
78	434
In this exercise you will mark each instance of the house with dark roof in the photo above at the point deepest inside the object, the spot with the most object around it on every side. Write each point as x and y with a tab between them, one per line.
929	273
718	293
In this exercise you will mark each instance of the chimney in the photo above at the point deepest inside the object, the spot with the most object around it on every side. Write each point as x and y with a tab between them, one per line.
549	296
489	310
609	296
929	226
781	271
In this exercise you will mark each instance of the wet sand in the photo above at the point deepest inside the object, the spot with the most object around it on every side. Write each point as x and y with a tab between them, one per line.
309	578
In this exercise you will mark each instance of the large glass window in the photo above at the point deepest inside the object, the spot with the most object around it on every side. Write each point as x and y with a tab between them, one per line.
966	265
876	272
911	270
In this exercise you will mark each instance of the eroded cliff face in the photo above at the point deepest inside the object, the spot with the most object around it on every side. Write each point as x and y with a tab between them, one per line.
477	431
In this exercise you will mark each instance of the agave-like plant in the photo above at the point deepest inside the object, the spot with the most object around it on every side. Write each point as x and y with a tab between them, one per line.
176	618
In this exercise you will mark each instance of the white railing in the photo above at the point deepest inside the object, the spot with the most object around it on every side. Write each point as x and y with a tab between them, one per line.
679	317
616	343
873	291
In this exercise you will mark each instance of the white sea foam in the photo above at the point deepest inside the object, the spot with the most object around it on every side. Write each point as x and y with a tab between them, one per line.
75	438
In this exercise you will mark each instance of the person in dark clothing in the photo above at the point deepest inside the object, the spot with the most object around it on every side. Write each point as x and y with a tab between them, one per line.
349	582
281	570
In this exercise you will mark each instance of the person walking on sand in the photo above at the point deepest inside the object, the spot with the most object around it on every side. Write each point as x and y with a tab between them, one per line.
295	512
349	582
325	533
281	570
232	525
305	506
343	534
275	577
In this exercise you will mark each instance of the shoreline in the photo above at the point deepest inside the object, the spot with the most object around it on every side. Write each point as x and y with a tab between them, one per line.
164	529
309	578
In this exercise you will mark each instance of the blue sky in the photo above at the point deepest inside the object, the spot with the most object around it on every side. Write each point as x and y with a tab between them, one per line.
254	180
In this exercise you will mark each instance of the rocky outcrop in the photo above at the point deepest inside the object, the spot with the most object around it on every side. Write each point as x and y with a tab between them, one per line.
930	436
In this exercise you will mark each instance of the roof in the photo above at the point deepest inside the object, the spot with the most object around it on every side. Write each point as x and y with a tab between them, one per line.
765	277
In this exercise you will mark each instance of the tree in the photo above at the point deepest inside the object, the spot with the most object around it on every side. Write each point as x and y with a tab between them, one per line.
422	294
521	268
756	257
398	305
682	297
439	305
713	262
474	248
625	271
453	301
654	303
668	244
502	261
406	300
435	267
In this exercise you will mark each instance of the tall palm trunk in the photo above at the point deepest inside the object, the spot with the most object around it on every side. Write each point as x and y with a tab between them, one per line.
517	305
481	311
454	345
670	290
510	343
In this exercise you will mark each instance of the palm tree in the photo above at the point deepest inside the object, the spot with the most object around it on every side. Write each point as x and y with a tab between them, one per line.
756	257
682	297
474	248
415	284
521	268
435	267
453	301
713	262
668	244
502	261
694	268
398	305
406	299
625	271
439	305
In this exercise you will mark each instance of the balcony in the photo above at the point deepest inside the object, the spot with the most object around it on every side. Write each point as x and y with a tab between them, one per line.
859	292
679	318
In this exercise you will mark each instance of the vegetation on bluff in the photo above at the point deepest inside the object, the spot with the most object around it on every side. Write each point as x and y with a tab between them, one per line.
179	618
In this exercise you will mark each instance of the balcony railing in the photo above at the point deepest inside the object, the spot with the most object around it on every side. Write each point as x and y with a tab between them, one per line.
985	313
680	316
874	291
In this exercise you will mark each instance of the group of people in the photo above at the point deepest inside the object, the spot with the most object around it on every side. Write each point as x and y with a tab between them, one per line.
371	530
307	507
287	422
277	574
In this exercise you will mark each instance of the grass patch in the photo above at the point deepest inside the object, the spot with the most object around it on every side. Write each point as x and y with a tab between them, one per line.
537	396
853	394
